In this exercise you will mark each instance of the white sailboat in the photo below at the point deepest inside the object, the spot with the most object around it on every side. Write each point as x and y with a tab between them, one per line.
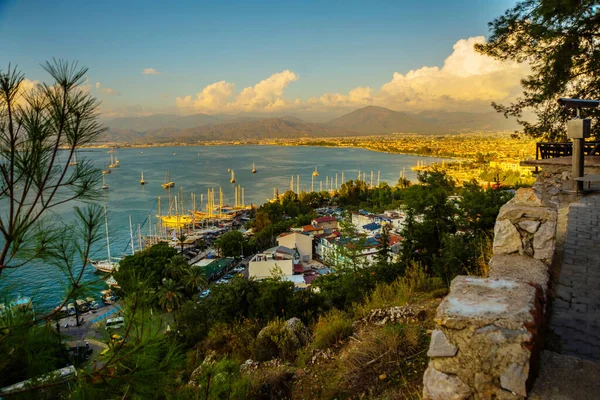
74	160
253	168
232	177
315	172
104	184
107	266
168	182
142	181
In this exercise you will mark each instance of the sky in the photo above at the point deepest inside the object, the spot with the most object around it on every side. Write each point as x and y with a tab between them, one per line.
265	57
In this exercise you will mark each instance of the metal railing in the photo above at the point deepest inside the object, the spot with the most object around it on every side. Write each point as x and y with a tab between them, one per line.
545	150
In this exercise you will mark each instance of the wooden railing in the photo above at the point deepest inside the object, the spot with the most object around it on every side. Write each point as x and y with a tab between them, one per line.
545	150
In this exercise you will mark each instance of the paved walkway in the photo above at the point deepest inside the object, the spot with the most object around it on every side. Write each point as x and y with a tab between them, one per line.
576	307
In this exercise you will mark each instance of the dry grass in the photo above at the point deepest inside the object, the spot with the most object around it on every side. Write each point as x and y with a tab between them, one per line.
383	358
415	284
331	329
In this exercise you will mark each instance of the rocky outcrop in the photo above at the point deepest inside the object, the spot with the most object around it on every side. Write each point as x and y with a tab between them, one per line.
488	332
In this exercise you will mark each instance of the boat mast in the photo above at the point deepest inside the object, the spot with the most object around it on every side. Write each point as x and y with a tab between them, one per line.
131	236
107	239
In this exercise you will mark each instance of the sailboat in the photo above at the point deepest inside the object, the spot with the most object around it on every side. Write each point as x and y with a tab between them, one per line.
232	177
315	172
104	184
142	181
168	183
253	169
106	266
114	163
74	160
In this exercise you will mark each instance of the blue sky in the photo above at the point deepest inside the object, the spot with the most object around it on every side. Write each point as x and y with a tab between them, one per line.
329	47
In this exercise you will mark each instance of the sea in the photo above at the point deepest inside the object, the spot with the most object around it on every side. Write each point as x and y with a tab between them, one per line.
195	169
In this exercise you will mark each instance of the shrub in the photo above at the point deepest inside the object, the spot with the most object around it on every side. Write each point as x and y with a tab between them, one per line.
331	328
234	340
277	340
415	283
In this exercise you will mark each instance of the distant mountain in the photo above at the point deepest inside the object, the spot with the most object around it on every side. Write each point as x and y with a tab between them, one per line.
375	120
369	120
269	128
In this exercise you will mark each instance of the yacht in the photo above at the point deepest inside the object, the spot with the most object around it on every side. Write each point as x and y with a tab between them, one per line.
74	160
168	183
232	180
142	181
107	266
253	168
315	172
104	184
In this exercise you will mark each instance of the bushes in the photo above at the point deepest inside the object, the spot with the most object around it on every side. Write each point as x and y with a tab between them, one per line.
233	340
280	339
415	283
331	328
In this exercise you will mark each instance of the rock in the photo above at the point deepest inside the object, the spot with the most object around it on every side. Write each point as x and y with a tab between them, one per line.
478	302
517	213
528	197
543	241
506	238
529	226
440	346
440	386
520	268
514	378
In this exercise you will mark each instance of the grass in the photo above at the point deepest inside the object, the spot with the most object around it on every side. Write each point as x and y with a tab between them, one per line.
331	329
415	284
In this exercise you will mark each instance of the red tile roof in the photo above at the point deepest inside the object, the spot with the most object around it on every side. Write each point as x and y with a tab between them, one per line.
310	228
321	220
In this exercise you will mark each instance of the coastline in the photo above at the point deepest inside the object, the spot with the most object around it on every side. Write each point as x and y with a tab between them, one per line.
439	146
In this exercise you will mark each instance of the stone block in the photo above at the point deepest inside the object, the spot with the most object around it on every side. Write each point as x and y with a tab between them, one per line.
529	226
514	379
517	213
506	238
528	197
495	323
440	386
478	302
440	346
543	240
520	268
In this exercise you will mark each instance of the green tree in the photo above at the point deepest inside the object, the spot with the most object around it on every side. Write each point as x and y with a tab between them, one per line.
40	131
232	243
170	295
559	39
176	268
194	279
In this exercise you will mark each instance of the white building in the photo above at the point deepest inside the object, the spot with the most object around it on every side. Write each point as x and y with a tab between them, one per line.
278	260
302	243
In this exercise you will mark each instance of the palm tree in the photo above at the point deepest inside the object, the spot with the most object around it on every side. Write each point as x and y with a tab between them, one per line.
194	279
170	295
176	267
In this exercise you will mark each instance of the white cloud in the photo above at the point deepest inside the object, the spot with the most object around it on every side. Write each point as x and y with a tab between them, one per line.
467	81
150	71
106	90
265	96
110	91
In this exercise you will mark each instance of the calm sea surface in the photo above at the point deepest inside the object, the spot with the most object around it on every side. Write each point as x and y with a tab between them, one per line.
197	169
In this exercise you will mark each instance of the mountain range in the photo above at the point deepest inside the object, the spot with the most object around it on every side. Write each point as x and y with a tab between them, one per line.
371	120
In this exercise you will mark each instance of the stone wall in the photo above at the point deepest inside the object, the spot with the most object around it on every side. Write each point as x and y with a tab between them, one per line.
488	332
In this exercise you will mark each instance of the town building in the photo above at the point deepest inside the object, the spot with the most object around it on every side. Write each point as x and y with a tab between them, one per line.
279	260
299	241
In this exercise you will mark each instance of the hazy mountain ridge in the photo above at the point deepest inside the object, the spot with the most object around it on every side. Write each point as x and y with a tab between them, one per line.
369	120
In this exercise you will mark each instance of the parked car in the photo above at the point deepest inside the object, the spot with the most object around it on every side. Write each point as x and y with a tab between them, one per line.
205	293
82	305
70	309
115	323
239	268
